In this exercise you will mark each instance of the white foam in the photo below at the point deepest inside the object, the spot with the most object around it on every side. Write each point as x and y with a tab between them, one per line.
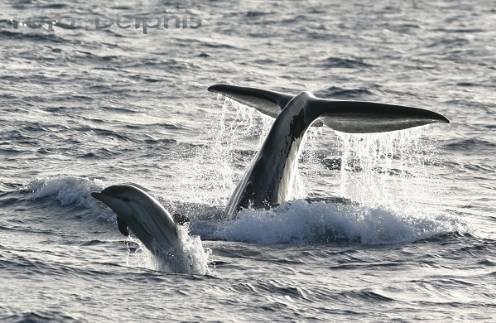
190	257
67	190
301	222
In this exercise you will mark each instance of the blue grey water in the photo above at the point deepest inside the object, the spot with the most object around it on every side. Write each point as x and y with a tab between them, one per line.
85	106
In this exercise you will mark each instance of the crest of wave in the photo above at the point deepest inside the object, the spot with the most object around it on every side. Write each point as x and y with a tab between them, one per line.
300	222
66	190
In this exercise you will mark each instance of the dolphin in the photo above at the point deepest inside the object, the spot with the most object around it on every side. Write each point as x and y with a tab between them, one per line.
267	181
144	215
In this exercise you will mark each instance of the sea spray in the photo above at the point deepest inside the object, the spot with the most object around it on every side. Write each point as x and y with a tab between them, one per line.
66	190
190	257
236	134
216	169
387	169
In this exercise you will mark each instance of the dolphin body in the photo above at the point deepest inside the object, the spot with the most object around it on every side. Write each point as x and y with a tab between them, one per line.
144	215
267	181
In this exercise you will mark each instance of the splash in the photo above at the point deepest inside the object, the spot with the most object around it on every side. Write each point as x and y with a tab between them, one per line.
189	258
389	170
388	175
236	132
300	222
306	165
66	190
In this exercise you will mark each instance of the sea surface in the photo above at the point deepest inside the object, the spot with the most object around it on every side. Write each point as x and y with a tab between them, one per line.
401	226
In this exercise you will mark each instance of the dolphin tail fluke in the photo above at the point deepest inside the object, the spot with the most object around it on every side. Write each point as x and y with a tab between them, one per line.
368	117
268	102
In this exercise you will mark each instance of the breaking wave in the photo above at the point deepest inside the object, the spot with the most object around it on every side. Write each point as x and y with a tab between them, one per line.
302	222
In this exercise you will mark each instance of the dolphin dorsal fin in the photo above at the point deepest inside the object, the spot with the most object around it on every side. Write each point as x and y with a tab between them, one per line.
267	102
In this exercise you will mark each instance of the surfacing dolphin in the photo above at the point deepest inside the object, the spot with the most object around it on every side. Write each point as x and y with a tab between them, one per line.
267	181
145	216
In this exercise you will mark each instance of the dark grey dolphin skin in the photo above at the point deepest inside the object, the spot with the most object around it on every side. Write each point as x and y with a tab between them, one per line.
144	215
267	181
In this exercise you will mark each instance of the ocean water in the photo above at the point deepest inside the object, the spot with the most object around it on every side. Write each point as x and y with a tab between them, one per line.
401	226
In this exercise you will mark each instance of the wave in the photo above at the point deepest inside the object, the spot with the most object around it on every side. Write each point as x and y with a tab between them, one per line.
39	316
471	144
31	36
339	92
66	190
302	223
337	62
